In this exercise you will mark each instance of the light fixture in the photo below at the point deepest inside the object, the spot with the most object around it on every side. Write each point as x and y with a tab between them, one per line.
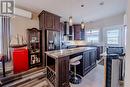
82	5
70	21
101	3
82	25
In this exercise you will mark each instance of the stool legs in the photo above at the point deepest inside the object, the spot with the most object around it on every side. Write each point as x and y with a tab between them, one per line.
75	79
75	71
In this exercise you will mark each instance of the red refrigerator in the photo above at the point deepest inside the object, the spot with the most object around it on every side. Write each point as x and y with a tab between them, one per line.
20	60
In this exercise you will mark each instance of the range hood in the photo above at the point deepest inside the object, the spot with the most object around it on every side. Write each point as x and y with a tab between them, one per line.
67	29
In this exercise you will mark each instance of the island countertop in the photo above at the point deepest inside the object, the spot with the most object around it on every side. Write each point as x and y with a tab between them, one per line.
66	52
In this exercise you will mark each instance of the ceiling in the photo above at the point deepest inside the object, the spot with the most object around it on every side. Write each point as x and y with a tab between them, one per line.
91	11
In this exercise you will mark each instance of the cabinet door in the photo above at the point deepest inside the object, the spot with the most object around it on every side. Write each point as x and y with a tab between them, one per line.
77	32
82	34
57	23
93	57
86	60
41	21
49	21
63	72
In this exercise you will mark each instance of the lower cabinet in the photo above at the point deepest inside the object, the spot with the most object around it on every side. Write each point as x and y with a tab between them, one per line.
58	71
88	62
63	72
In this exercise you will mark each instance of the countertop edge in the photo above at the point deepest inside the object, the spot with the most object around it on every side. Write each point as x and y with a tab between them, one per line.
48	53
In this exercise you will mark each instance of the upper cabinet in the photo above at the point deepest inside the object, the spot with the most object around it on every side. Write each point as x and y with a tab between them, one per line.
79	34
57	23
49	21
41	21
82	34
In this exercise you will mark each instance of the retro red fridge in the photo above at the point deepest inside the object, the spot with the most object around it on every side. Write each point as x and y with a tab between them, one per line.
20	60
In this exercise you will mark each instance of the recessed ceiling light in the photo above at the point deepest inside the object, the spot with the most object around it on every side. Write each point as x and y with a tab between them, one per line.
101	3
82	5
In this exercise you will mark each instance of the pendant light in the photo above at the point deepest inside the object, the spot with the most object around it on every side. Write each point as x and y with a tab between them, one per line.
82	22
82	25
70	21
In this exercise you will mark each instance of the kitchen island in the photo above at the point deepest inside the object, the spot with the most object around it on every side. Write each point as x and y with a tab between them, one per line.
57	63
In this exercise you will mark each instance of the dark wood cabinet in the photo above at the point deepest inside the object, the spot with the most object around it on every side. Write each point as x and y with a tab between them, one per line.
58	71
93	56
79	34
57	23
58	67
99	50
41	21
63	75
88	62
34	47
82	34
48	20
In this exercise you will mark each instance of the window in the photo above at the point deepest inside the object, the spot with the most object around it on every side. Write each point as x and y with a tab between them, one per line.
92	36
113	36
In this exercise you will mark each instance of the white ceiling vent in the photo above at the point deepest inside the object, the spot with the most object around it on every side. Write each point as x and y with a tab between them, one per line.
23	13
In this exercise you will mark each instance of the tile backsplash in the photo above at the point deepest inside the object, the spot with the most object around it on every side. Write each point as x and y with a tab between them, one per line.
76	42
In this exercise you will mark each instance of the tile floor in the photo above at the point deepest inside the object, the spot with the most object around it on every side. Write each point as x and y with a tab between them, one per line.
94	78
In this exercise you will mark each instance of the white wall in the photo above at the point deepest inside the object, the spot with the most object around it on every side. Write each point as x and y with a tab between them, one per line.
20	24
127	77
107	22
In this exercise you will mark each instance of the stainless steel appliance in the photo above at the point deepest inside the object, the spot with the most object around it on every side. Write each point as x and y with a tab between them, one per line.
52	40
112	70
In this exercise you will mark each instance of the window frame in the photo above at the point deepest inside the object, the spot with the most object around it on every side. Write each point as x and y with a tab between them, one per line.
87	36
112	37
120	37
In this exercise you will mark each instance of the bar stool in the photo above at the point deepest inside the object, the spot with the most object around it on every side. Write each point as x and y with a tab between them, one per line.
75	78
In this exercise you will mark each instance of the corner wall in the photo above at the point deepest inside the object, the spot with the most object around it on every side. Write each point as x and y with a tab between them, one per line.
127	65
20	24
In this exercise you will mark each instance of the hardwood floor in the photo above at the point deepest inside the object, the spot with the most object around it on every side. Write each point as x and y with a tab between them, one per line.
94	78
